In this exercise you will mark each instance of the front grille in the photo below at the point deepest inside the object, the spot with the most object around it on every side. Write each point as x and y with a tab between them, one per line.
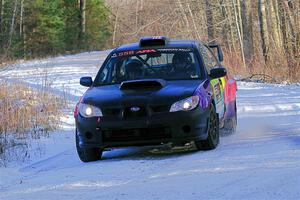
111	111
127	135
160	108
143	111
129	113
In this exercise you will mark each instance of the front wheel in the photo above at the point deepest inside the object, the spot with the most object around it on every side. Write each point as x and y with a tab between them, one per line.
87	155
213	137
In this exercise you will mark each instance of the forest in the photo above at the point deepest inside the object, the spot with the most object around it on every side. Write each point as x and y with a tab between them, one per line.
257	37
35	28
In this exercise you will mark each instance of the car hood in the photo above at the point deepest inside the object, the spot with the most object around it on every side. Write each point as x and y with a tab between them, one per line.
167	94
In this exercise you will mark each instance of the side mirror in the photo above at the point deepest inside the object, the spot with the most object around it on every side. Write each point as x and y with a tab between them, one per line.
218	72
86	81
219	50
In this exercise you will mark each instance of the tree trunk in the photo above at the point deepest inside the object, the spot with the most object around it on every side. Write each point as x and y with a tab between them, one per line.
246	15
136	15
238	8
239	33
82	22
1	25
263	29
225	25
1	15
230	28
21	17
23	29
275	25
115	27
12	25
209	20
283	28
292	24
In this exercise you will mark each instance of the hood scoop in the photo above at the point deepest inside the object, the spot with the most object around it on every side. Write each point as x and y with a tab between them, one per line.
146	84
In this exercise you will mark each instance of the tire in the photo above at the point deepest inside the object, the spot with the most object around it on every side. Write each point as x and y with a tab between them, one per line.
230	124
87	155
213	137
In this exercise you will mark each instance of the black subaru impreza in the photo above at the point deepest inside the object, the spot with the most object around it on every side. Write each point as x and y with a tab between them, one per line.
153	92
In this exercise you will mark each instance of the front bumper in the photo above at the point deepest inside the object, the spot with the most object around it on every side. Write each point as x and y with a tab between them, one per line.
177	127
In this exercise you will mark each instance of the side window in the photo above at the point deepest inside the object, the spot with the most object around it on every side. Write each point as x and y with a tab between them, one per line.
112	72
103	77
119	71
209	59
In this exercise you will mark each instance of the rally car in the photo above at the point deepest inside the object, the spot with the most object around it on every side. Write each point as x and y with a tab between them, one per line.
156	91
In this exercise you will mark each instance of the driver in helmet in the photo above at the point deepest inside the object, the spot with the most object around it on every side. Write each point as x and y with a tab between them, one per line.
183	65
133	69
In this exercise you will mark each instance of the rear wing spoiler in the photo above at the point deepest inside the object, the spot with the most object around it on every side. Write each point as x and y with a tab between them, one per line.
214	46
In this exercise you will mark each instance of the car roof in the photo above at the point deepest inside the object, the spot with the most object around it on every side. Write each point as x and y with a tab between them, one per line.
171	43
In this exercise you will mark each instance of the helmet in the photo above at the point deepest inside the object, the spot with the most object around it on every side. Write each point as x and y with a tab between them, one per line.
133	69
181	60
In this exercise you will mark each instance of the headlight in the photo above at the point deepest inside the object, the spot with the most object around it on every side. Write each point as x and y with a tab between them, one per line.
86	110
185	104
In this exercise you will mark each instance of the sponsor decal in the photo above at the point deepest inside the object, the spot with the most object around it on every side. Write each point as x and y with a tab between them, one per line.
218	96
145	51
217	92
157	37
125	53
174	49
128	53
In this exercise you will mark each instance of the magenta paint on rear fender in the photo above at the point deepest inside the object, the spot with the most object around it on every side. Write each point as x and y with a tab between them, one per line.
230	110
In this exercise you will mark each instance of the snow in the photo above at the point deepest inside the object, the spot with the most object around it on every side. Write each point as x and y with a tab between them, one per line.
260	161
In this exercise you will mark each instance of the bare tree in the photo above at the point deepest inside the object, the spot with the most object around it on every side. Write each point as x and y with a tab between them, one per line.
238	27
209	18
263	29
275	25
225	25
246	15
115	27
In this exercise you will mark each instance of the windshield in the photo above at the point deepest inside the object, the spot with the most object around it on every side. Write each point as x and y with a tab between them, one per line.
167	64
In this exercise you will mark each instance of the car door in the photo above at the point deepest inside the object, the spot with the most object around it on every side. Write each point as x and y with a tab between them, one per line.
217	84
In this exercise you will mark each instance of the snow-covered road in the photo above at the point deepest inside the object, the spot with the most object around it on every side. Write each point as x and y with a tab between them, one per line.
260	161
